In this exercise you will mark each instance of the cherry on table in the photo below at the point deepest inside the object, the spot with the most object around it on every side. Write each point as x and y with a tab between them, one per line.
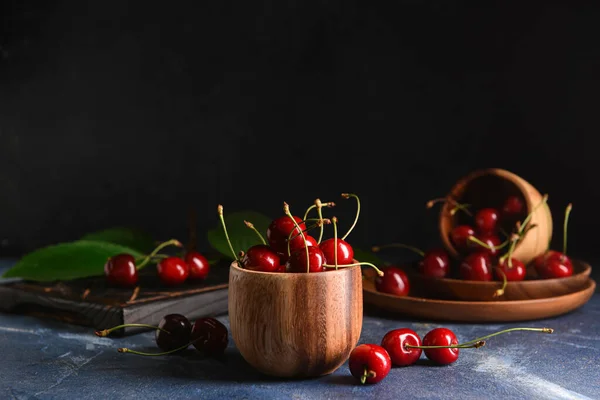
441	337
345	252
261	258
210	336
369	363
172	271
486	220
120	270
394	281
199	266
298	261
476	267
395	341
460	237
174	331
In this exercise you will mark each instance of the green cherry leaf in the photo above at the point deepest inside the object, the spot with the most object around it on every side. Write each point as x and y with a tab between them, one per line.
368	256
242	237
67	261
127	237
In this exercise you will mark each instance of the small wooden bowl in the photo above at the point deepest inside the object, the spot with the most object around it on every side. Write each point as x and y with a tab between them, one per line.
456	289
489	188
295	325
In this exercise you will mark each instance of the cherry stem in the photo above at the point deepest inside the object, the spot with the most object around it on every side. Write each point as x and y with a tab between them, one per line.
320	223
542	330
528	218
487	246
164	353
251	226
220	211
468	345
308	210
500	291
172	242
457	206
107	332
347	196
286	210
367	374
565	223
320	215
379	272
335	242
400	245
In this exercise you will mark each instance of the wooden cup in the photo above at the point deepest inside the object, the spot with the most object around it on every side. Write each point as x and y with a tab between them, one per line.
295	325
489	188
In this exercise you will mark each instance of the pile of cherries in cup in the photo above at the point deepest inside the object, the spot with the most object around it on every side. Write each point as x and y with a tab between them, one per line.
484	256
289	248
122	269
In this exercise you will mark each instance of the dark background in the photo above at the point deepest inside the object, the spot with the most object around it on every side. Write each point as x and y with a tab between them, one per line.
131	113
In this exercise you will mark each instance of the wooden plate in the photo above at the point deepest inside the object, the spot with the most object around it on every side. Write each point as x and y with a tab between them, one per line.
531	288
478	311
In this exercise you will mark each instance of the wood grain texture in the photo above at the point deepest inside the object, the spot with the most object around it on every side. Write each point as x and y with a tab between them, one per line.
490	187
478	311
295	325
532	288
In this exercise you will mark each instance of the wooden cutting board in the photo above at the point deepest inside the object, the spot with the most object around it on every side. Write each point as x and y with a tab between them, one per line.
92	302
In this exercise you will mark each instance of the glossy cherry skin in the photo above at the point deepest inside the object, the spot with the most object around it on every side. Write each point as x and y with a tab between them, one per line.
210	336
435	264
441	337
476	267
261	258
179	331
172	271
513	206
394	343
297	245
394	281
515	272
198	265
279	230
120	270
372	358
491	239
460	237
297	261
553	264
345	252
486	220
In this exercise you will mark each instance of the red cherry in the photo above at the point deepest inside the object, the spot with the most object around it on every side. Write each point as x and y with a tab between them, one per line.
172	271
297	261
513	206
395	341
345	252
120	270
281	268
298	245
476	267
394	281
460	237
369	363
435	263
210	336
486	220
553	264
491	240
441	337
280	229
261	258
516	272
198	265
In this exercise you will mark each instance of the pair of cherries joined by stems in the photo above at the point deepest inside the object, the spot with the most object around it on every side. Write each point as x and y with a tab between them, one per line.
176	333
289	248
122	269
371	363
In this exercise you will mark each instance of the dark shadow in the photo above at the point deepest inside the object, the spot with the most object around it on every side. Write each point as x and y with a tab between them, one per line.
347	380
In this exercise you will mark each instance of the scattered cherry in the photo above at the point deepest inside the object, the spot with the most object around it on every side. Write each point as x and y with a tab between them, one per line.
515	271
476	267
198	265
434	263
486	220
209	336
261	258
394	281
280	229
441	337
460	237
174	331
172	271
120	270
297	261
395	341
345	252
369	363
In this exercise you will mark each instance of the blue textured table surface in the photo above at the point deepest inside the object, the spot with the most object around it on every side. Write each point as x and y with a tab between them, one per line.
44	359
